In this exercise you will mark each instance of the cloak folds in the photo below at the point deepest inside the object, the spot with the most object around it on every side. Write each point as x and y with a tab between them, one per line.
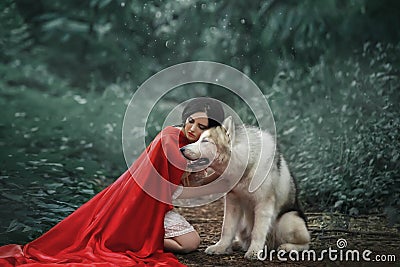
120	226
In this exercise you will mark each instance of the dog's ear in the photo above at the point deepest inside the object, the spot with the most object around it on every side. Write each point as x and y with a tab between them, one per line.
229	126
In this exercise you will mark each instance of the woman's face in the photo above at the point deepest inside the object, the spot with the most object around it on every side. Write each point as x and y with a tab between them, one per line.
195	124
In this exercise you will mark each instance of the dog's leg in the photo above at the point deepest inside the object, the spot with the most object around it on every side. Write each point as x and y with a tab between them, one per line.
263	218
244	232
232	214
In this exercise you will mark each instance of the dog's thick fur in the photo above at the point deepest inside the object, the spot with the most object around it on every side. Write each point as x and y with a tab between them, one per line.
270	214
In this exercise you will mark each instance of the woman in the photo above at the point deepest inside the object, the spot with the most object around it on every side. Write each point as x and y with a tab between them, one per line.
124	224
199	115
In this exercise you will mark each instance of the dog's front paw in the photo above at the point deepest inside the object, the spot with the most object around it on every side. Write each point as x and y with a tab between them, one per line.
285	247
218	249
251	254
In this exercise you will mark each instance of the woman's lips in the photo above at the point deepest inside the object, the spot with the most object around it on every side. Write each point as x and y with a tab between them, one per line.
191	135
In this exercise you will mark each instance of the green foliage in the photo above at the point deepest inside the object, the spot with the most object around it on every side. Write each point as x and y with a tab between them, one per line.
342	130
59	147
52	120
14	33
100	40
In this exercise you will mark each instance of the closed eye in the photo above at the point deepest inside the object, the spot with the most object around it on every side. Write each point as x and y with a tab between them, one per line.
207	141
202	127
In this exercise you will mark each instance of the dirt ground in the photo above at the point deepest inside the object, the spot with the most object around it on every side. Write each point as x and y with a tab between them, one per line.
366	232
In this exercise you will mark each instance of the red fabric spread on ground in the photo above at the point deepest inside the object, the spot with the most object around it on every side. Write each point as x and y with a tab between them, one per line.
120	226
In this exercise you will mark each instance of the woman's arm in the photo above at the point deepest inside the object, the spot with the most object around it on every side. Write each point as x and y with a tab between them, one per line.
194	179
219	186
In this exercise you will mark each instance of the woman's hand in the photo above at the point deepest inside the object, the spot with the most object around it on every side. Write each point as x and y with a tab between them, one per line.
195	179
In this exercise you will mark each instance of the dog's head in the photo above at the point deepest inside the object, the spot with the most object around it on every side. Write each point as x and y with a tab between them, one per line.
213	149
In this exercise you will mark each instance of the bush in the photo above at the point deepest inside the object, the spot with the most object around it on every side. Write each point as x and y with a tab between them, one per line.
59	146
341	131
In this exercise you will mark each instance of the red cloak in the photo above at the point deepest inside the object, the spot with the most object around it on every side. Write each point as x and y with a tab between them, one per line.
122	225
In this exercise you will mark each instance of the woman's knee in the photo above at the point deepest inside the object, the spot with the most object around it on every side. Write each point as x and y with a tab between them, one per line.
194	243
189	242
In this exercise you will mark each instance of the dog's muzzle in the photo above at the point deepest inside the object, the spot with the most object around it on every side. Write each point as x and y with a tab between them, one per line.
195	163
198	163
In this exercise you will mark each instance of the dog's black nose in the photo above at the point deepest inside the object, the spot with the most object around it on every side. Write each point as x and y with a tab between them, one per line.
182	149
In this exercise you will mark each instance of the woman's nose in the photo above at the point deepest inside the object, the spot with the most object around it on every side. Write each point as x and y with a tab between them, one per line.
193	128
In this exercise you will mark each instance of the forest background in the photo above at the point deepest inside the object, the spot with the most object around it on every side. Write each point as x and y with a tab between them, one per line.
329	70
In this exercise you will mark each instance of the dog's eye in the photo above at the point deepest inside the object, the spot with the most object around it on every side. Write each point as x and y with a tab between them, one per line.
207	141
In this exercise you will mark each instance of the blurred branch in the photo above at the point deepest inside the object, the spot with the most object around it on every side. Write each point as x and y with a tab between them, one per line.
268	6
86	44
30	11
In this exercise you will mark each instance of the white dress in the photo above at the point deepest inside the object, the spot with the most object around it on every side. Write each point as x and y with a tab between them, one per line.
174	223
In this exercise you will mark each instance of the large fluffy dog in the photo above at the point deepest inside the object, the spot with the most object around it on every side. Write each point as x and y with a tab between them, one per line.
262	208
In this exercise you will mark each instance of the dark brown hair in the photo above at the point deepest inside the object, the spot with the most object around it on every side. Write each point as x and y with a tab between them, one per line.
210	106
